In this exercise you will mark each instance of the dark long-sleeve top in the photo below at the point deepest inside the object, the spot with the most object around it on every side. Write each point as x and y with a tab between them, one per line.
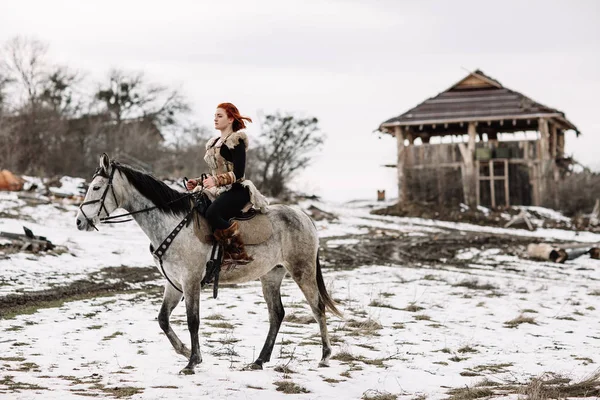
237	156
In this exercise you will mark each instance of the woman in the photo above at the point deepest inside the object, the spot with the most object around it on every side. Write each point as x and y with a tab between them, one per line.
226	157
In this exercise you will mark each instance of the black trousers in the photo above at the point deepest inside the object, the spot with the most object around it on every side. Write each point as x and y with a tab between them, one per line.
227	206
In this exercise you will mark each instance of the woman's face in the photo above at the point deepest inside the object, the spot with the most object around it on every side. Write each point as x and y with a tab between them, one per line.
221	120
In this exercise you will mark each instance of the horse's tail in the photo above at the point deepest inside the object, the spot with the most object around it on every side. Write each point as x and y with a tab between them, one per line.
324	297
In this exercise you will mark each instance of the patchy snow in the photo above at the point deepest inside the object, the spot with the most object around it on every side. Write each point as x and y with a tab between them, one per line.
546	213
70	187
407	331
339	242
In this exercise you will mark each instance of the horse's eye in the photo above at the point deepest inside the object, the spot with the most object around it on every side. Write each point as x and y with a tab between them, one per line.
96	188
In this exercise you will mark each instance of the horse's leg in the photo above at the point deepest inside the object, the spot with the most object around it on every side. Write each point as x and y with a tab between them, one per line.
271	285
192	307
304	274
170	300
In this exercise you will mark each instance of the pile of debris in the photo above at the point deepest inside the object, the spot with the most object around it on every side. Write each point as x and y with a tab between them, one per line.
11	243
25	242
8	181
503	217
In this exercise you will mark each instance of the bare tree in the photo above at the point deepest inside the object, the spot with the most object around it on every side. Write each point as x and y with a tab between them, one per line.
23	60
287	142
130	101
184	156
127	96
58	91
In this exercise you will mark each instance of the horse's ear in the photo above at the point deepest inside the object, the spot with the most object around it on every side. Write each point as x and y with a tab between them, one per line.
104	162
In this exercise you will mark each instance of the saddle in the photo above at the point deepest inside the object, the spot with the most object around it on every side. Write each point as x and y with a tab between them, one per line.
255	228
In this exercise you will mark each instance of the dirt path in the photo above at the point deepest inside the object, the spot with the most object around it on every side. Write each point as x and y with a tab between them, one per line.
107	281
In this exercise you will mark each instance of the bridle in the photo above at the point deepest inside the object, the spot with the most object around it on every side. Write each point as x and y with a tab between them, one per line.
100	172
162	248
111	219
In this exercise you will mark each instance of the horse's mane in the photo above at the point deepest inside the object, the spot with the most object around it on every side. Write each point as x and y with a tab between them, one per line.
165	198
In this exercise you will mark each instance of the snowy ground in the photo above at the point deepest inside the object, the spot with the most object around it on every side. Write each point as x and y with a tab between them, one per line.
410	330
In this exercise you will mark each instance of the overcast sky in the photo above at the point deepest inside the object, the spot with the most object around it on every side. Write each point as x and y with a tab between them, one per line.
350	63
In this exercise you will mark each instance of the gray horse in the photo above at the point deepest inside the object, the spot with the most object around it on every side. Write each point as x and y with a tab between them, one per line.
292	248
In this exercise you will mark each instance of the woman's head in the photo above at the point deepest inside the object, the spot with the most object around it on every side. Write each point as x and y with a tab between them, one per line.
227	114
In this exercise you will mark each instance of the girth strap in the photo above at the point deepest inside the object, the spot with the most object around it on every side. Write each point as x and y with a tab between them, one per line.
164	246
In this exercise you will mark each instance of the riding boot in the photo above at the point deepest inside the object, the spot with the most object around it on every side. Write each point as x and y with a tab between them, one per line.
234	250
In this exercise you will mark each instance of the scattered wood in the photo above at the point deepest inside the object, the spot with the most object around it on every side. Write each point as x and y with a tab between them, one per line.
522	217
28	241
33	198
551	252
547	252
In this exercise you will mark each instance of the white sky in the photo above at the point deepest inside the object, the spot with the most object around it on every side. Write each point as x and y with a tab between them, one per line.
352	63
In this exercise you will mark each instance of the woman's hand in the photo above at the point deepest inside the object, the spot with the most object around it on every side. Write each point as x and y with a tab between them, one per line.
191	184
209	182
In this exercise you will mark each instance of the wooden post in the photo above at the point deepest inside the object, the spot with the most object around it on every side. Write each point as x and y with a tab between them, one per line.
506	184
402	195
544	158
469	184
553	141
560	146
544	139
492	186
410	136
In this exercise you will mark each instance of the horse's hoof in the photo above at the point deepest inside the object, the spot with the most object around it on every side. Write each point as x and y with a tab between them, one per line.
187	371
324	363
253	367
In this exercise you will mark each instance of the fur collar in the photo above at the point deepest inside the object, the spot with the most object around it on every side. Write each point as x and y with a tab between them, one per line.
232	141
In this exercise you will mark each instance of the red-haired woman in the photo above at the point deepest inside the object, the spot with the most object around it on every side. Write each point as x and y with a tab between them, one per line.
226	157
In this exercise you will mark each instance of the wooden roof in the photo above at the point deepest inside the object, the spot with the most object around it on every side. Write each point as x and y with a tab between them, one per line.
479	98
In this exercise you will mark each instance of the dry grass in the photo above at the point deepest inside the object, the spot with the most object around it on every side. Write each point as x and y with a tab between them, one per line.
467	349
221	325
474	284
545	387
284	369
377	303
299	319
345	356
422	317
215	317
412	307
114	335
378	395
289	387
468	393
521	319
551	386
366	324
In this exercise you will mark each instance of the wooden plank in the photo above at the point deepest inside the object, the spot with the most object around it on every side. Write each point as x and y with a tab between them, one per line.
495	178
441	165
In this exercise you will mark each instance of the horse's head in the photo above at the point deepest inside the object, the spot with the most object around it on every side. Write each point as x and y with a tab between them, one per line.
98	201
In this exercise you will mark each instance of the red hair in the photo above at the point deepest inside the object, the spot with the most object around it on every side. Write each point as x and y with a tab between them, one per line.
233	112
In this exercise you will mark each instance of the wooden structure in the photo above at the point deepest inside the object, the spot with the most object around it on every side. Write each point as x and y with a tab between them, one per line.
480	143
